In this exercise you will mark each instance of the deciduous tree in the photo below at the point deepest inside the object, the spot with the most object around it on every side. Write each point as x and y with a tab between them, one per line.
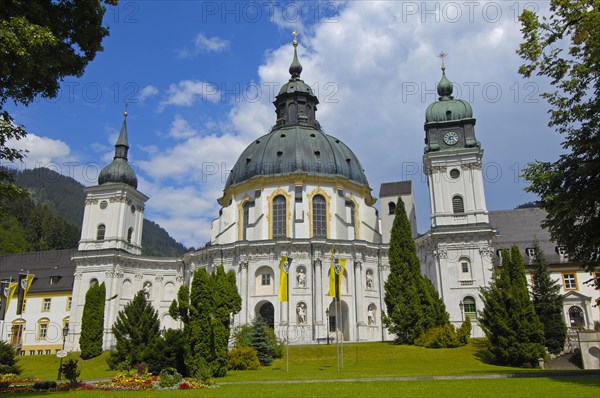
565	47
42	42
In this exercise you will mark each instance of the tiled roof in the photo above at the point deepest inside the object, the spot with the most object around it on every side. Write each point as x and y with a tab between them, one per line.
395	188
44	265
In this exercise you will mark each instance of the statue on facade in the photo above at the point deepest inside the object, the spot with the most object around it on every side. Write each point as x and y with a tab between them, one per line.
301	310
301	278
369	280
147	286
371	316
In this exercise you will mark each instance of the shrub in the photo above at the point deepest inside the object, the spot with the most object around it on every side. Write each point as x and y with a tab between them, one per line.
69	369
439	337
243	358
44	385
169	377
8	362
464	331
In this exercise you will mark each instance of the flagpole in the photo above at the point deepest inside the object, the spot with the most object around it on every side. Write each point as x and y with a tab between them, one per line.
342	330
287	331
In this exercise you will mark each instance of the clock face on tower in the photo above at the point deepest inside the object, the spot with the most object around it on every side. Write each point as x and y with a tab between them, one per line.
451	138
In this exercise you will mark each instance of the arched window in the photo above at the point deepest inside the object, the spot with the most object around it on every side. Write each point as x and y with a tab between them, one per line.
279	217
319	217
129	234
245	218
465	266
458	205
101	232
469	307
391	208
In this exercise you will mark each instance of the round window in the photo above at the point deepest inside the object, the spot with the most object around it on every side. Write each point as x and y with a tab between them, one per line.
454	173
103	204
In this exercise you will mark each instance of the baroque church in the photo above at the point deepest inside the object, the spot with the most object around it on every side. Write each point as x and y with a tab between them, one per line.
300	192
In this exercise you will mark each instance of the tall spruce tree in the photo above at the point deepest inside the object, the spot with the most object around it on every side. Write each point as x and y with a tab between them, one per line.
92	322
548	303
514	331
136	330
206	316
413	305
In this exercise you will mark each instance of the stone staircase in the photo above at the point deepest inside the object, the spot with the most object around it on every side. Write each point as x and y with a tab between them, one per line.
566	361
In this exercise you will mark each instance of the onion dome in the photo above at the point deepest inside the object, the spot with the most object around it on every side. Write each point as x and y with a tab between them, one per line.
447	108
296	143
119	171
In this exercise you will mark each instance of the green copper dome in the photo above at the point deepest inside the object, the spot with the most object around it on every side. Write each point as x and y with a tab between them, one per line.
296	143
297	149
119	171
447	108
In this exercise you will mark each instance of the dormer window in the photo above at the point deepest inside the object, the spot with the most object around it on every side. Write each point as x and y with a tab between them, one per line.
54	279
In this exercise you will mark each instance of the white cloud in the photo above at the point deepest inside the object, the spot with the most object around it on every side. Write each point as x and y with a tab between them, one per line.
187	92
147	92
41	150
210	44
180	128
205	44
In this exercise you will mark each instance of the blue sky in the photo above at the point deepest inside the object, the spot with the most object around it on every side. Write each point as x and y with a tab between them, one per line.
199	78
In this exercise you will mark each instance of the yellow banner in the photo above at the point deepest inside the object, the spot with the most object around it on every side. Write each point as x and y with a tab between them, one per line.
284	270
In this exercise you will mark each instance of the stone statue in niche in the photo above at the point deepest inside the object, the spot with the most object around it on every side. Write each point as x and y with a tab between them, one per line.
369	280
147	286
301	311
371	315
301	278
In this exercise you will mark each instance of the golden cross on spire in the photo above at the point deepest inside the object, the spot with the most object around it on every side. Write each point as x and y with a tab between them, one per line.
441	56
295	42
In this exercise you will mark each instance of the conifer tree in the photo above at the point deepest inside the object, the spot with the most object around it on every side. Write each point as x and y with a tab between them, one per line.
206	315
261	341
515	334
136	329
548	304
413	305
92	322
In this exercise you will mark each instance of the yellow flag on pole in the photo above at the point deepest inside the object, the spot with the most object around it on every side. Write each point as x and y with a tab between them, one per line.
336	275
284	270
25	281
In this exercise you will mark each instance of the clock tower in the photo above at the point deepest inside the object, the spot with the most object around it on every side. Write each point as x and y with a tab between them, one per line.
456	252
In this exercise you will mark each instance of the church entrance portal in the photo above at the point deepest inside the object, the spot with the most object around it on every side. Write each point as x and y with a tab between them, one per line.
267	312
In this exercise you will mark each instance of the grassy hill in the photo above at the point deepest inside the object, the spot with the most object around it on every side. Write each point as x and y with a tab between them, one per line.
65	196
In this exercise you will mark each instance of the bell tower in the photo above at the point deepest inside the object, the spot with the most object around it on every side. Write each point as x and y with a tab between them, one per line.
456	252
453	161
114	209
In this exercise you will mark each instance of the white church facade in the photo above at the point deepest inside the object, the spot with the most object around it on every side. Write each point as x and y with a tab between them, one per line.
299	192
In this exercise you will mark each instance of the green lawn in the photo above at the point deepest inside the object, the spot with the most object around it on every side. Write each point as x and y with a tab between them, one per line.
45	367
372	360
361	360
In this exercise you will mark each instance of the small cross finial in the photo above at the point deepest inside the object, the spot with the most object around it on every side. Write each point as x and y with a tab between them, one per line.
441	56
125	113
295	42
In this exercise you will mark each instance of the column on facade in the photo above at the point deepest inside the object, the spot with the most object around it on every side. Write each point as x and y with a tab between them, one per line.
244	291
318	292
358	293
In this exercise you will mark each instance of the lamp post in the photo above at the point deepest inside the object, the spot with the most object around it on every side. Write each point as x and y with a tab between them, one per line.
327	326
462	306
65	332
